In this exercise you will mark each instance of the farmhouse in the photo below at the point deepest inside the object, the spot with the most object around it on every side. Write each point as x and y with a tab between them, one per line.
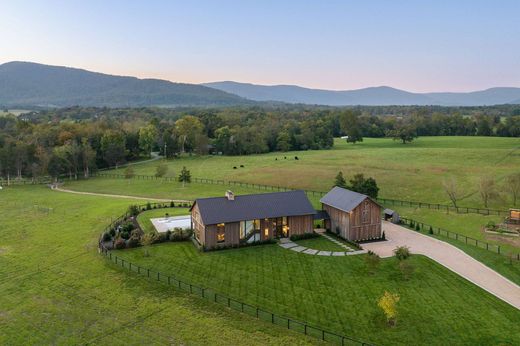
234	220
353	216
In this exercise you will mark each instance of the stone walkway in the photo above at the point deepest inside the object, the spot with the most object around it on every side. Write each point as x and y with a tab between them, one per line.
286	243
450	257
337	242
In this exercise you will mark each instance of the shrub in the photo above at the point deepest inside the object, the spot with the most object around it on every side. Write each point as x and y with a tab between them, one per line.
127	227
107	236
388	303
129	172
147	239
241	166
172	204
431	230
491	225
406	269
161	170
372	261
133	241
402	252
234	167
304	236
120	244
417	227
133	210
125	235
148	206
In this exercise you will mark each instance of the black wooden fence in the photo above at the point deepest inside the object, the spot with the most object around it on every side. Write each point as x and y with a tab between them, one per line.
213	296
424	227
313	193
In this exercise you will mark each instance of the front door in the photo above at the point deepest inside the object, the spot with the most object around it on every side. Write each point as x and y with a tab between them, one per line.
279	227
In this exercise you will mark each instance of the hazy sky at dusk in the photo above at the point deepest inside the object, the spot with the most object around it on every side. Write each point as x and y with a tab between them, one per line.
414	45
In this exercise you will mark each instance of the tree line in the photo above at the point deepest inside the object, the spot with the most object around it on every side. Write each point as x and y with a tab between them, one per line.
77	140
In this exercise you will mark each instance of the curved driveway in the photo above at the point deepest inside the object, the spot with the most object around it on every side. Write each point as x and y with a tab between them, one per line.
450	257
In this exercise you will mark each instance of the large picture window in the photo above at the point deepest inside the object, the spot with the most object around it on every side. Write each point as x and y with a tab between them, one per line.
221	233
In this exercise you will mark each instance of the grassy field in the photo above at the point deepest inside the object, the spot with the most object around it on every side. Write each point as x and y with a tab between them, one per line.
337	293
57	290
413	171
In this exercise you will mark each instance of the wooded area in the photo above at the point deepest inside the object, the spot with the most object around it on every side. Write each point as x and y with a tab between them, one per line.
77	140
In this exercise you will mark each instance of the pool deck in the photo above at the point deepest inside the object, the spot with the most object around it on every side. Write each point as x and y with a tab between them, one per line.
163	224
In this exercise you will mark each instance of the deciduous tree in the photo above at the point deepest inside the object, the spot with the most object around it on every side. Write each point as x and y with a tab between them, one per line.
388	303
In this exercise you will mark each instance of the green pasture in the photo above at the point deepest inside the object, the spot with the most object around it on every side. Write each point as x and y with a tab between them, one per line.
57	290
413	171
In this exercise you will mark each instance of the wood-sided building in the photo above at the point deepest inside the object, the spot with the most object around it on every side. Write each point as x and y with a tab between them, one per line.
235	220
352	216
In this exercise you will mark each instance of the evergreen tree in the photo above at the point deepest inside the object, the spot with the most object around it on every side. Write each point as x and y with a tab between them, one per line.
340	180
185	176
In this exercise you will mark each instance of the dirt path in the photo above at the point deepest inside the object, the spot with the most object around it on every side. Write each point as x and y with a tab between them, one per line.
120	196
450	257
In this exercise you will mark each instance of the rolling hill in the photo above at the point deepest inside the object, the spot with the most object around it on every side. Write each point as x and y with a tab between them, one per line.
374	96
25	84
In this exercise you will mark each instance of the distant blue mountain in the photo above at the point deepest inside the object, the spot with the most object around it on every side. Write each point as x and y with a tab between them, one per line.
375	96
25	84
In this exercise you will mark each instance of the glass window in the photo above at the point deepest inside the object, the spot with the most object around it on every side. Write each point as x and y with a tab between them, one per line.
221	233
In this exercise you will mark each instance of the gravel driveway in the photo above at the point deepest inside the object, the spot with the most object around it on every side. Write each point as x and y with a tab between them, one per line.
450	257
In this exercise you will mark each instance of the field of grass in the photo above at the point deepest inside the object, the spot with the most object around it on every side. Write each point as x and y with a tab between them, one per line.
412	171
57	290
154	188
337	293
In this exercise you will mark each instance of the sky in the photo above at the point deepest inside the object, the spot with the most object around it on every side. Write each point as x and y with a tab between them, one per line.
416	45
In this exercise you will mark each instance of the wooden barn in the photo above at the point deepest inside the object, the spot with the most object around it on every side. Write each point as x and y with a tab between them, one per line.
353	216
235	220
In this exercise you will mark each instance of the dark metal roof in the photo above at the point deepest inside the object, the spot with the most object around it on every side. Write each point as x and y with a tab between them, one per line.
343	199
388	211
321	215
250	207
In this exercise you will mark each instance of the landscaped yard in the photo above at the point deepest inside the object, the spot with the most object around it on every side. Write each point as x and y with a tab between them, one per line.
338	293
57	290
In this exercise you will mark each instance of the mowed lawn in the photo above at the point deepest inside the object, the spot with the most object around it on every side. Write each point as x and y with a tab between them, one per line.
413	171
437	307
57	290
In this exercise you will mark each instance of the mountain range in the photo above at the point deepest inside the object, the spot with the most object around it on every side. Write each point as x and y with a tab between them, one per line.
374	96
27	84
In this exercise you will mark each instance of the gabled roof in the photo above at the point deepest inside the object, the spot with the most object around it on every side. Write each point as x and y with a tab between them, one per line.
250	207
343	199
